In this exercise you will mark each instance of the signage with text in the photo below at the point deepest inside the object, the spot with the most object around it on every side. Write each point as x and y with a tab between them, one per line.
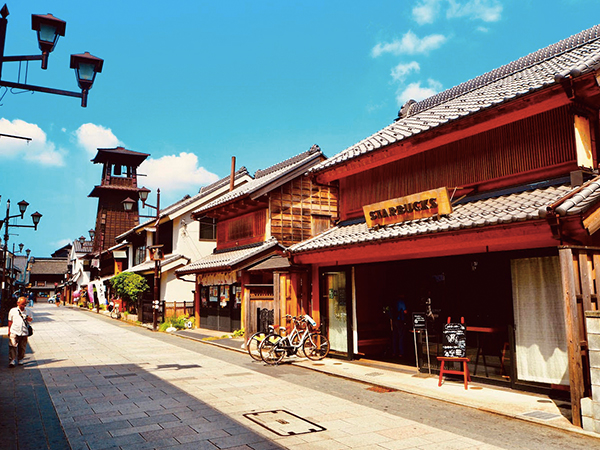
412	207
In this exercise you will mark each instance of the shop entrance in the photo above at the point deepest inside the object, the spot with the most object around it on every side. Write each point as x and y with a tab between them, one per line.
476	287
220	307
336	307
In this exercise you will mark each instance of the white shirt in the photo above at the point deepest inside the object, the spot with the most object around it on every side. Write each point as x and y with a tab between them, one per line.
18	327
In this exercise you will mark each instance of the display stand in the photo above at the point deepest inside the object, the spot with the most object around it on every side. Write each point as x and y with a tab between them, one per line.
455	351
464	372
419	325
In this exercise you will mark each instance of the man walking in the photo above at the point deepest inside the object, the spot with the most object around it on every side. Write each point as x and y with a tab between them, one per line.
18	332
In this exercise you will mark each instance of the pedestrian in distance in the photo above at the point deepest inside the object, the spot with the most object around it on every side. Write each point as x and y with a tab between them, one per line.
18	331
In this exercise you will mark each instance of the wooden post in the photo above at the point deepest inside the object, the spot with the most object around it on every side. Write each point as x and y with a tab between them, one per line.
572	333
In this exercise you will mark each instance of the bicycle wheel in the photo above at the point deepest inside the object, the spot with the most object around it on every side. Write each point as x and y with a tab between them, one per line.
253	344
316	346
270	351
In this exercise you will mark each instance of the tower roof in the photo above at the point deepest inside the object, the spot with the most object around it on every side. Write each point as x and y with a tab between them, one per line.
119	155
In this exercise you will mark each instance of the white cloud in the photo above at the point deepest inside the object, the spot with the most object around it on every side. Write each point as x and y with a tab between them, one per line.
426	11
176	173
38	150
401	71
409	44
416	92
486	10
92	137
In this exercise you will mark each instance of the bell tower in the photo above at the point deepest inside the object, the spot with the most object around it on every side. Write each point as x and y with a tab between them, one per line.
119	181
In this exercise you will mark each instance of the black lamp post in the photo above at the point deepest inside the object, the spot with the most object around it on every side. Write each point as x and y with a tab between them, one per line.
155	250
36	216
49	29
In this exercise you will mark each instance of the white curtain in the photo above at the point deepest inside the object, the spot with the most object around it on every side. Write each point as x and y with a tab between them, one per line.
539	320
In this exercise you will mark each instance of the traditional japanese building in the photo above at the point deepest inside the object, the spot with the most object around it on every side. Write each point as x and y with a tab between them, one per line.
183	240
246	281
481	202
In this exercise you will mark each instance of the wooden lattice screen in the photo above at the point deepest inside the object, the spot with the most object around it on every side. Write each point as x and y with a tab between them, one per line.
580	271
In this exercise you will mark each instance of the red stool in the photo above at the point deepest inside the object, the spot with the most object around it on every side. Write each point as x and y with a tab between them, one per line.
464	372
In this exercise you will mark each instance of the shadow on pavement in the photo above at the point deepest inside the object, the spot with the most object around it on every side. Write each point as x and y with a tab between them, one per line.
128	406
28	419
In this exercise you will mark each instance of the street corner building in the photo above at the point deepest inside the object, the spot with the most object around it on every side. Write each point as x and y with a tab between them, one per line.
480	204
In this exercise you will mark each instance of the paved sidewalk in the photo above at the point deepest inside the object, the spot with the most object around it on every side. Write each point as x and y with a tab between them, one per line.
28	419
112	388
526	406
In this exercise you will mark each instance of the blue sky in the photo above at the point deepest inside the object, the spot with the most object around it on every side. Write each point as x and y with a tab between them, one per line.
196	82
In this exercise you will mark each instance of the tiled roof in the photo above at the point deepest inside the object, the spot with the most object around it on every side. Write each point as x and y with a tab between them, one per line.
242	171
149	265
263	178
573	56
227	259
530	204
49	266
86	247
187	200
118	153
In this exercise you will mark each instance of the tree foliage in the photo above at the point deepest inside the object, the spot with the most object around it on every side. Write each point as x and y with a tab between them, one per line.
129	286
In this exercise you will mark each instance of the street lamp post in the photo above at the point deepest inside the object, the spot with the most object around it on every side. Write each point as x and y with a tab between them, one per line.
155	250
36	216
49	29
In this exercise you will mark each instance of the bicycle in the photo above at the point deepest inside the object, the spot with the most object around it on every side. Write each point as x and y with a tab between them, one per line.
254	342
312	344
115	313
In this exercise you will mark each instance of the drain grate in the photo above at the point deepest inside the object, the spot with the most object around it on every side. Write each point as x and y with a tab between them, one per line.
542	415
284	423
373	374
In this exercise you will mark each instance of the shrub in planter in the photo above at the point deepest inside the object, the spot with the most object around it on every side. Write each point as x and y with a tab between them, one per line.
129	286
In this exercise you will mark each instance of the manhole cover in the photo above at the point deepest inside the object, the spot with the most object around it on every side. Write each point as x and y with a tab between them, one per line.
284	423
542	415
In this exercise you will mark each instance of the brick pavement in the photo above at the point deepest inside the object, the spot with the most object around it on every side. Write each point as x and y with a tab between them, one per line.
27	416
114	388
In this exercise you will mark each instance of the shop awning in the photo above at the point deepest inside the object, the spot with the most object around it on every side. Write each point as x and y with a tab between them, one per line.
273	263
230	259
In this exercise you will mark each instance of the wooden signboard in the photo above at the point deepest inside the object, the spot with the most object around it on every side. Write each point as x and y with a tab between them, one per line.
412	207
455	340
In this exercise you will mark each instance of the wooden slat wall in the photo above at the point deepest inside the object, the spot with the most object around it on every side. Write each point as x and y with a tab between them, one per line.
580	269
245	229
292	205
540	141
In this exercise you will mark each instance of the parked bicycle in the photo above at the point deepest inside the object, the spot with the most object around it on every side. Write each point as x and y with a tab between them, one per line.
254	341
300	341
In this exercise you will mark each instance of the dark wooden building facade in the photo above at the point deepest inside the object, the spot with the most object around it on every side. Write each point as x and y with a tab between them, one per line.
517	252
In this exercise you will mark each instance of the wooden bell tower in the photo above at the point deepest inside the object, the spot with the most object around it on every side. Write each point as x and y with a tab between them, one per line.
119	182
